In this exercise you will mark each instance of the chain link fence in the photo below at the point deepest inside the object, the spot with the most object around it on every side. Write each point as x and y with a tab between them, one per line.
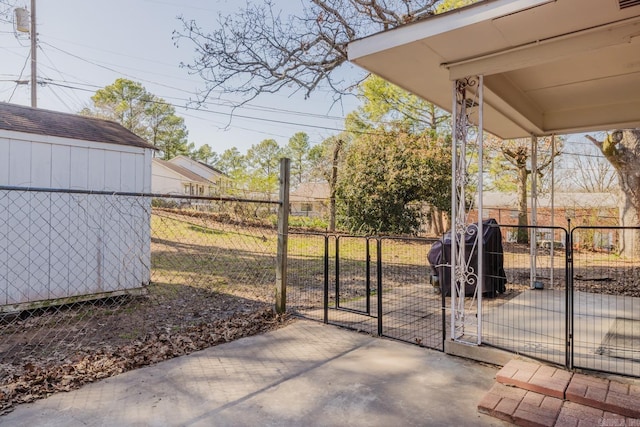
93	284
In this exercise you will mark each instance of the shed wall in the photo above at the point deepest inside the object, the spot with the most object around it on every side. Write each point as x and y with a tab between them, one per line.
60	245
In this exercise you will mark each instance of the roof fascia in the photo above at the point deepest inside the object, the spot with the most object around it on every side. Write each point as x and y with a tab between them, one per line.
438	24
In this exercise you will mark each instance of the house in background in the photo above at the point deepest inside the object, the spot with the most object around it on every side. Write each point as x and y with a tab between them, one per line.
170	178
583	209
310	199
220	180
83	245
185	176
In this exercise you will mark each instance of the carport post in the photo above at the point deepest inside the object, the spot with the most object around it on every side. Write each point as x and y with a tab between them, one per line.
467	117
283	237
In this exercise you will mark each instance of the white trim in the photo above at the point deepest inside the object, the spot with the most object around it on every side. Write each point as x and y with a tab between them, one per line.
197	164
438	24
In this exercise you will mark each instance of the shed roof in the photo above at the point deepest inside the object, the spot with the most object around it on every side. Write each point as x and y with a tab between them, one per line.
549	66
18	118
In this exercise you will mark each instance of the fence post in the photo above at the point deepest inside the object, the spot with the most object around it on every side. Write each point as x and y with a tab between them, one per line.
379	280
283	236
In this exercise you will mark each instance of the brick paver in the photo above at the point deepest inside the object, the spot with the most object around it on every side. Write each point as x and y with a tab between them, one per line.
535	377
605	394
574	414
521	407
501	401
530	394
536	409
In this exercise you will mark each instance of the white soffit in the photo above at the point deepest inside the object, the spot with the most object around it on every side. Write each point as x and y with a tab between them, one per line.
558	66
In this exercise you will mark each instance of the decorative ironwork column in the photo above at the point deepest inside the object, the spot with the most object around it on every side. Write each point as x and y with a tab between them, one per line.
466	232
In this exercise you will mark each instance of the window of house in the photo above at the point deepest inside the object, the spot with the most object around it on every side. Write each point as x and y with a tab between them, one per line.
306	207
187	189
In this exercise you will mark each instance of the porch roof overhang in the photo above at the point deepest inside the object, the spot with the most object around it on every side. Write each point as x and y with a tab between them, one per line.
549	67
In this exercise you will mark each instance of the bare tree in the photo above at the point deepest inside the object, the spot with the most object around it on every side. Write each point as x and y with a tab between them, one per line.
513	168
589	171
261	50
326	159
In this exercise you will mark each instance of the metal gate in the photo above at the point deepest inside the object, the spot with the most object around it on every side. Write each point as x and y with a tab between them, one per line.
377	285
573	301
531	316
605	300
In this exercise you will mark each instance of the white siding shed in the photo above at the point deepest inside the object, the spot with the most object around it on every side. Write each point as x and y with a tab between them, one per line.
61	234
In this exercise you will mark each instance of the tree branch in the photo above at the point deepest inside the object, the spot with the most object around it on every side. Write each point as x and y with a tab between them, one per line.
257	50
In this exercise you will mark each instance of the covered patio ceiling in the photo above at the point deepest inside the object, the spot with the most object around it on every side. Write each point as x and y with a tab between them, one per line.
549	67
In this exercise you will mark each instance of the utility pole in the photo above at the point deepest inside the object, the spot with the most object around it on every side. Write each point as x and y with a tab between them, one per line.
34	72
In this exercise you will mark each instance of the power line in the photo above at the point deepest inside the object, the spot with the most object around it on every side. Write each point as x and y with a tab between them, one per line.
58	71
110	69
19	77
595	156
248	106
241	116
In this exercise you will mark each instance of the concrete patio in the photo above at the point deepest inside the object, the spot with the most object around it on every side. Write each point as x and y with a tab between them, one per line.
606	329
306	373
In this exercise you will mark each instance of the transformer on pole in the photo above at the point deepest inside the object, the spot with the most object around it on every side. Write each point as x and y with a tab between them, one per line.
27	24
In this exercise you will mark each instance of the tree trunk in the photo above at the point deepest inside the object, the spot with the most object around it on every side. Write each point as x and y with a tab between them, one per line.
628	240
333	181
629	206
523	217
622	149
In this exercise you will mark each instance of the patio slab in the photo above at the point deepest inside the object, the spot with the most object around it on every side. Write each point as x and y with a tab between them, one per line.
533	324
306	373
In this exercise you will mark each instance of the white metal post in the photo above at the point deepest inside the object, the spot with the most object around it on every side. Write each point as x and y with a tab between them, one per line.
534	212
480	283
454	209
467	99
553	211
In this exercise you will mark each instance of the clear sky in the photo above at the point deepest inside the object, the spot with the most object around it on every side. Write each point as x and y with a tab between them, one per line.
85	45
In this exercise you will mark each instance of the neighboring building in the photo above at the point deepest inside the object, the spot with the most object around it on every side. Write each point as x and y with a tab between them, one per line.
580	208
170	178
310	199
219	179
583	209
58	244
185	176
